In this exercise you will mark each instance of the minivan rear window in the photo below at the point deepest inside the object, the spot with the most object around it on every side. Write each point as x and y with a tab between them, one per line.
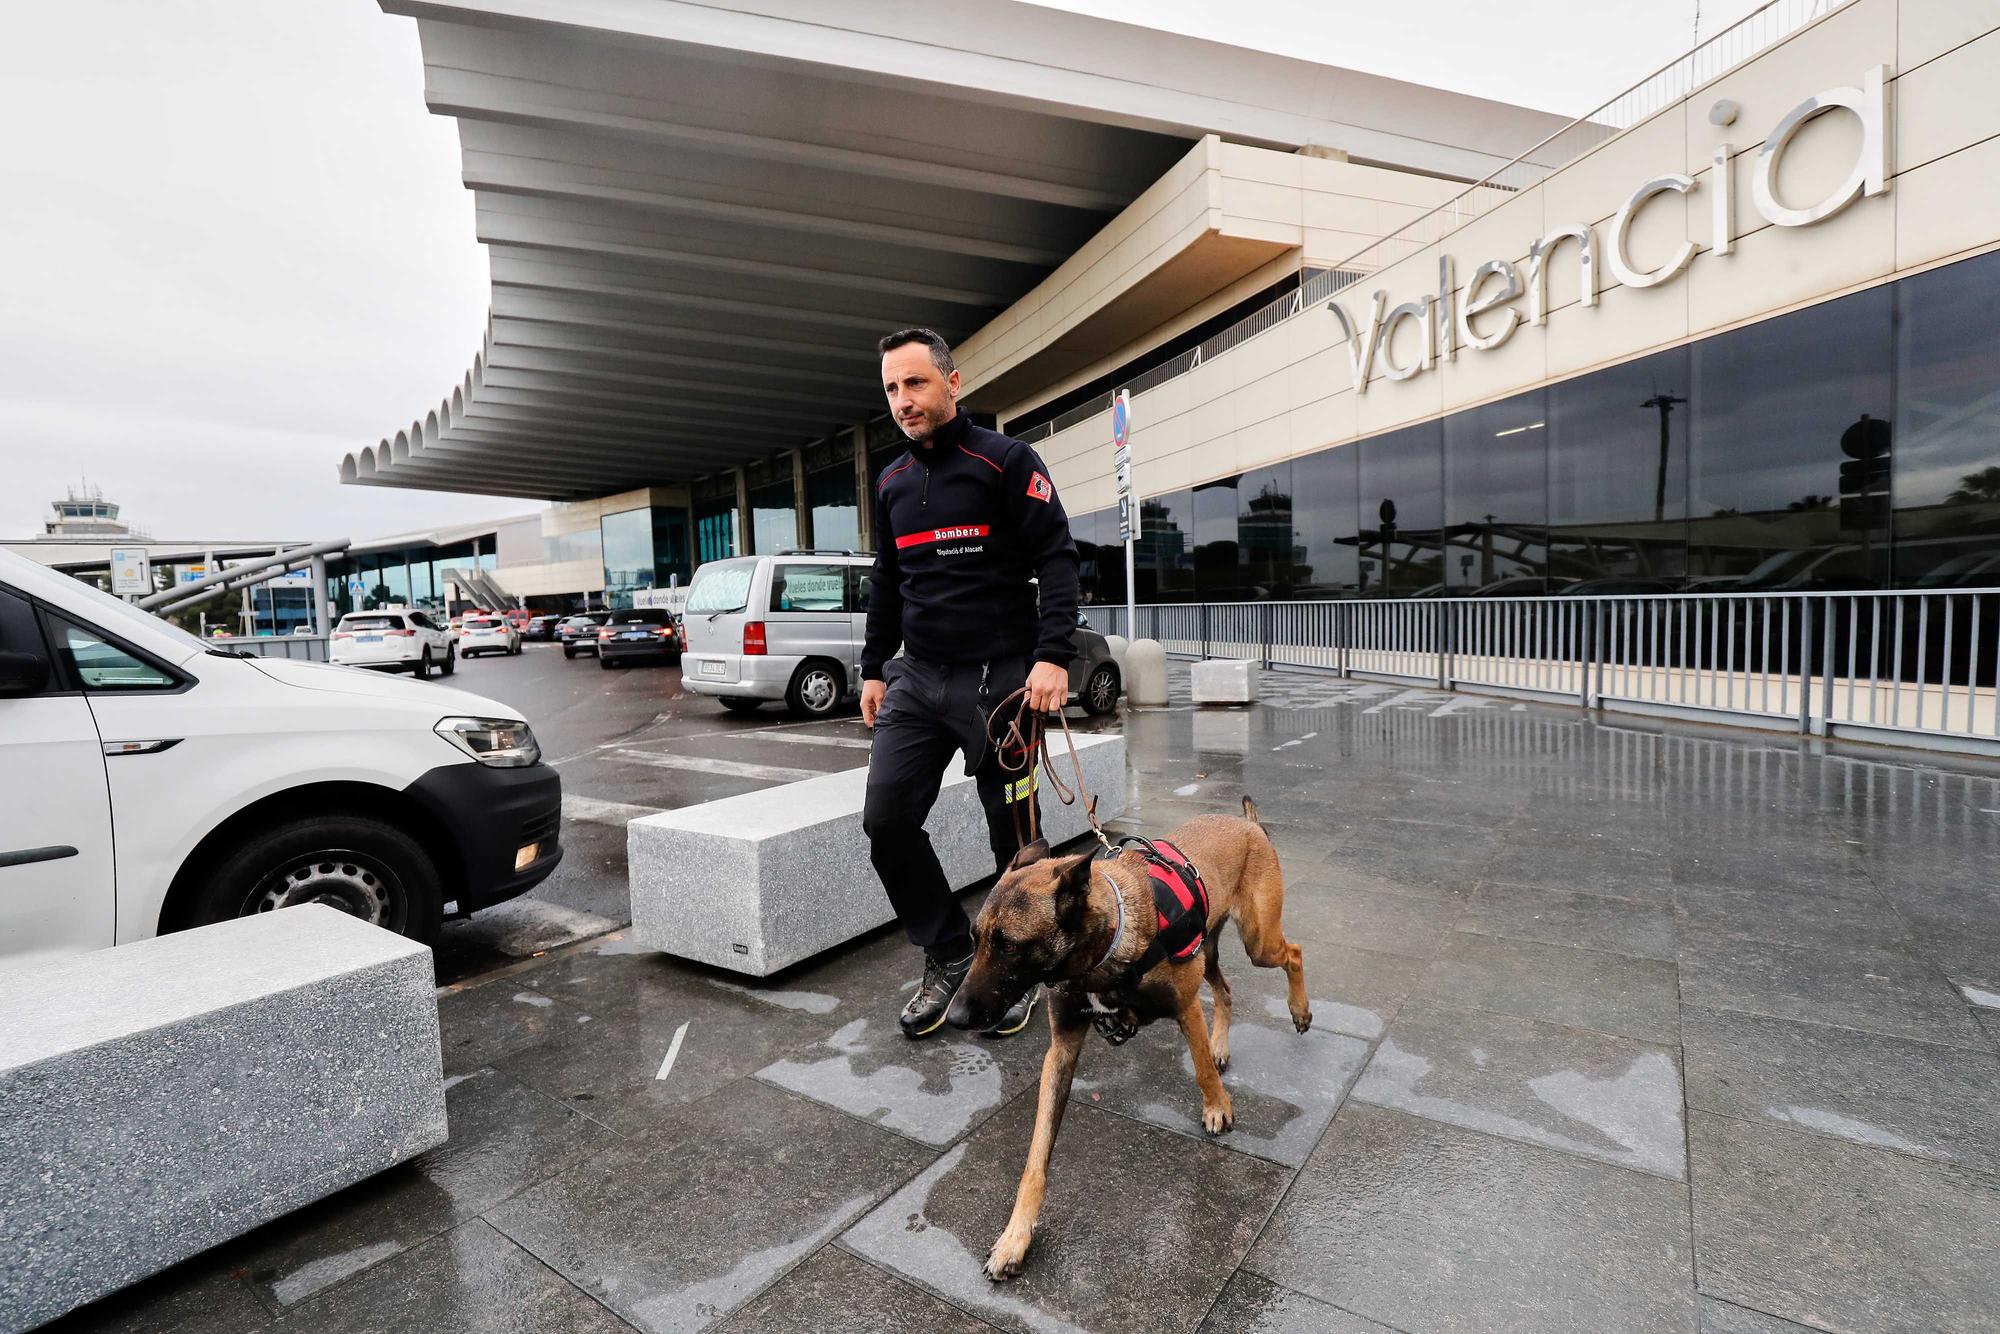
719	588
643	616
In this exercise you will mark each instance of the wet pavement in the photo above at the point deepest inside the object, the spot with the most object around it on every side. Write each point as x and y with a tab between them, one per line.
1617	1026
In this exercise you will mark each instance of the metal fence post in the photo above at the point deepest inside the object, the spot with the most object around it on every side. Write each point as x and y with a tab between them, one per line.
1805	666
1826	673
1204	630
1447	625
1590	649
1341	613
1270	614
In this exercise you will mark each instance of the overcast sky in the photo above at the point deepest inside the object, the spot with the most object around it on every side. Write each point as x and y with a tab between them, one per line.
235	246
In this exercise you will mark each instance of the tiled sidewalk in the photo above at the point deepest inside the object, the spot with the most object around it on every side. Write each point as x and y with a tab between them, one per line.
1616	1027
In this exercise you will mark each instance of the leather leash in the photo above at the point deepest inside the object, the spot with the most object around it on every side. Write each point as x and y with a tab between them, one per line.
1023	735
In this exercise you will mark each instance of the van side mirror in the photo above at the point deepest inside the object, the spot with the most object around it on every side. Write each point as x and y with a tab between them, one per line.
22	674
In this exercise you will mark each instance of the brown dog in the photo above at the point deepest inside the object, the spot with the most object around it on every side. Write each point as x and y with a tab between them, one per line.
1057	921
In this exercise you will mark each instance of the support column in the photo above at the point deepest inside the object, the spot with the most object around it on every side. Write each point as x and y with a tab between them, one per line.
322	613
864	488
745	539
802	514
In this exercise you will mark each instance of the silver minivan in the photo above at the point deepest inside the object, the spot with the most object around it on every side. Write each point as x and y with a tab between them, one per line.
790	627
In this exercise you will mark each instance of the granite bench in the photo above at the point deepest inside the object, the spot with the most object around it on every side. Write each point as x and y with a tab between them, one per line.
162	1097
757	882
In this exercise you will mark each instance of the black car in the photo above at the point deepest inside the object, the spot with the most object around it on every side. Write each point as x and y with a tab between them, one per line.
636	635
578	634
541	627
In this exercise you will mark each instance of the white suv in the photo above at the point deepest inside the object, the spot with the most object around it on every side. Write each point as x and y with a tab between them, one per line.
150	782
488	634
394	638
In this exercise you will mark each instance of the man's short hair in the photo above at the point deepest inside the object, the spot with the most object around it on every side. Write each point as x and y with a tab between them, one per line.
930	338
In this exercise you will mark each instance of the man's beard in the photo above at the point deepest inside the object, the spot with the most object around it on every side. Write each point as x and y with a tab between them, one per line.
921	431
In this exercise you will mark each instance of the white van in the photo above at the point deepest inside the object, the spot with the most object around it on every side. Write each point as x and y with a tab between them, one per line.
150	782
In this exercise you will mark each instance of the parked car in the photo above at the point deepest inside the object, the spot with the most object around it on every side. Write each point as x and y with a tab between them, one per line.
578	634
790	626
393	640
149	782
635	635
488	634
541	628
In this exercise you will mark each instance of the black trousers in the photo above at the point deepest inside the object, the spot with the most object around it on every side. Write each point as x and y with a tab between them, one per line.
931	712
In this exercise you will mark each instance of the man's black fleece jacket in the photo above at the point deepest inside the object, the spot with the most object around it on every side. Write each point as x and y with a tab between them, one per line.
962	523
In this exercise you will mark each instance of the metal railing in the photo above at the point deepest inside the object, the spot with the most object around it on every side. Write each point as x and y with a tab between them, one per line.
1750	35
1914	668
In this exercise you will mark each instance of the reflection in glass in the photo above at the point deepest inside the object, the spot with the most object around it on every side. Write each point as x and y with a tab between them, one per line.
1215	572
1163	564
1264	541
1402	512
715	530
1777	409
836	520
1496	466
628	555
1326	535
1618	465
1947	455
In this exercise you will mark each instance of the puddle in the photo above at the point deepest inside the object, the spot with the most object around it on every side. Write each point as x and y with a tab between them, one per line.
702	1303
811	1002
307	1279
1846	1127
927	1105
530	998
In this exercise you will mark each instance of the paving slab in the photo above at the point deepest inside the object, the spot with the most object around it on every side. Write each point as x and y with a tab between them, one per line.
1420	1225
479	1024
205	1295
1253	1305
1913	1097
1840	1236
1434	868
1785	918
1606	1098
932	1091
835	1293
1870	990
1200	1207
677	1231
1284	1086
1569	917
504	1138
1604	864
1353	991
1319	912
470	1278
1727	1318
1580	988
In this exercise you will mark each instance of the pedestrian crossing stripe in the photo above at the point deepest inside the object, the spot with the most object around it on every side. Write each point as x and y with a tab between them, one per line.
1023	788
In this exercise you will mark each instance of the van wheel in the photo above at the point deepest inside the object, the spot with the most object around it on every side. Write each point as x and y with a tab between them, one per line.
363	866
816	690
1100	692
450	661
735	705
422	671
605	662
569	652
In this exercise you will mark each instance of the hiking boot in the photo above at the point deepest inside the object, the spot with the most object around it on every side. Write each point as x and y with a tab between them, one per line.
925	1012
1017	1015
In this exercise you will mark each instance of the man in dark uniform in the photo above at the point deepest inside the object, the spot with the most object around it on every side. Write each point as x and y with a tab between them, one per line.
963	522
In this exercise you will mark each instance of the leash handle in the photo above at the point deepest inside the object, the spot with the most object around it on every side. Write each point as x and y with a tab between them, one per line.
1025	732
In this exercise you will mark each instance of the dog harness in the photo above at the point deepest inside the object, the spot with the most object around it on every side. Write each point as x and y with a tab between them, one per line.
1180	907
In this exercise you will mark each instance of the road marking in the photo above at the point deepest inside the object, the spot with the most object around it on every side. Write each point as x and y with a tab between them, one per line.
702	764
851	742
590	810
673	1050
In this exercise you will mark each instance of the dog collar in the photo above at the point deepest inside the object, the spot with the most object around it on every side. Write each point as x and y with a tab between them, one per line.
1119	933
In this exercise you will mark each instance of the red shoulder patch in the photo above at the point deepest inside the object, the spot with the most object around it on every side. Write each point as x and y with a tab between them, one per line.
1039	489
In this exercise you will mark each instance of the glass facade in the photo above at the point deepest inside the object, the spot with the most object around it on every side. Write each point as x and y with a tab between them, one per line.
836	516
643	548
715	530
1853	444
774	517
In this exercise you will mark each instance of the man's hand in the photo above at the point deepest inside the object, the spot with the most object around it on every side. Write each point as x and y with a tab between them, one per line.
1048	688
871	700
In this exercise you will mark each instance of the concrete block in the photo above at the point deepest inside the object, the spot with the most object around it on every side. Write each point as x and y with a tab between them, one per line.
757	882
163	1097
1225	681
1146	674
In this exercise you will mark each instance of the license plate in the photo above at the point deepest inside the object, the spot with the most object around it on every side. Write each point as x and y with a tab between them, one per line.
368	639
635	634
711	669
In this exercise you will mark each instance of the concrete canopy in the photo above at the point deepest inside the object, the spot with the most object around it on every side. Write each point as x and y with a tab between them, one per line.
700	216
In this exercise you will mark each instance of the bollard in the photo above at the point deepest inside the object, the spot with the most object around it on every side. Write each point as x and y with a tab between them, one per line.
1117	644
1146	674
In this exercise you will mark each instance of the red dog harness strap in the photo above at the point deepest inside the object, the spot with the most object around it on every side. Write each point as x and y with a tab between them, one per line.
1180	903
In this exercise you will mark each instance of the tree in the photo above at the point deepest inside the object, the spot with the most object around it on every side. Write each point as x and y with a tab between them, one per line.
1977	488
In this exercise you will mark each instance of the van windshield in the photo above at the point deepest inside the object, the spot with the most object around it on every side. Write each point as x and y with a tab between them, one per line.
719	588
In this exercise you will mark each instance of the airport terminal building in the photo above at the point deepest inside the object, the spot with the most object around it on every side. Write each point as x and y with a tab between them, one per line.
1738	330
